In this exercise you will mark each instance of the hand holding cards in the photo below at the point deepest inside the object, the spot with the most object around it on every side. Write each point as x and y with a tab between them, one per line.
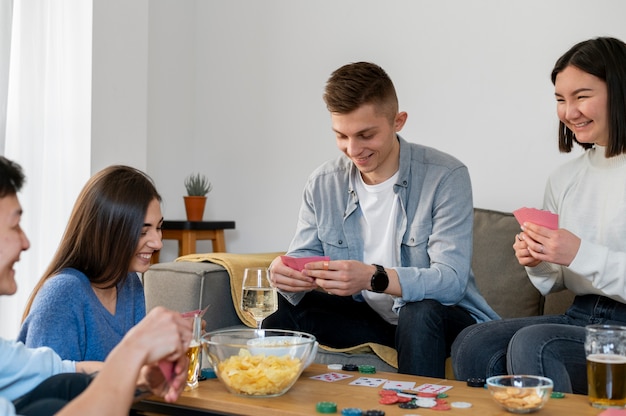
298	263
537	216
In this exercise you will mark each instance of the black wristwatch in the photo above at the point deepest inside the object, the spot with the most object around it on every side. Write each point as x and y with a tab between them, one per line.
380	280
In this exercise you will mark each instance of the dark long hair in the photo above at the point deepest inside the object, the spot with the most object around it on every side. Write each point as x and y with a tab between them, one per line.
105	227
604	58
11	177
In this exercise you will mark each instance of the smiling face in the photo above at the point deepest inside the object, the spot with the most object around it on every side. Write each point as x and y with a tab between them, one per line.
368	138
582	105
12	242
150	240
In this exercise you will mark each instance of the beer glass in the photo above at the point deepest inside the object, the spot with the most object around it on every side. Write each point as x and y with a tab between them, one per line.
605	349
193	353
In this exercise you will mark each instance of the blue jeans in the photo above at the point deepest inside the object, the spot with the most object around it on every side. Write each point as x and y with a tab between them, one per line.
550	346
423	336
52	394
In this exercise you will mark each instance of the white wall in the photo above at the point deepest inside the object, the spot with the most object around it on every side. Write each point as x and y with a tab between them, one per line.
119	84
234	91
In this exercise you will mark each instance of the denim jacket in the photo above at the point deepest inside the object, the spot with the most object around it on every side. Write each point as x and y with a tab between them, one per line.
433	230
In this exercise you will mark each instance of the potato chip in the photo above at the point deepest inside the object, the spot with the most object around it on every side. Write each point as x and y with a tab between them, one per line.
258	375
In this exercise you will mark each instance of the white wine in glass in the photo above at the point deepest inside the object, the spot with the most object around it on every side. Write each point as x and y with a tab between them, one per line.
258	298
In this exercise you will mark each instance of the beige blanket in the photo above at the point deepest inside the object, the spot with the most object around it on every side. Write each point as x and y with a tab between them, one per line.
235	265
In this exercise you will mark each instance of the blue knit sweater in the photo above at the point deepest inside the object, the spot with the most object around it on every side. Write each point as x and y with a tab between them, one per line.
68	317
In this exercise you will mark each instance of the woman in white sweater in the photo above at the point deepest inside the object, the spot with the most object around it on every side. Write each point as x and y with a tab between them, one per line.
587	253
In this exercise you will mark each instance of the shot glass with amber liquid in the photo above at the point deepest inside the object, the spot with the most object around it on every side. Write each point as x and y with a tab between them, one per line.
193	353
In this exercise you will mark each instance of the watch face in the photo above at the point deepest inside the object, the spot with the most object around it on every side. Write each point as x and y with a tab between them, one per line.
380	280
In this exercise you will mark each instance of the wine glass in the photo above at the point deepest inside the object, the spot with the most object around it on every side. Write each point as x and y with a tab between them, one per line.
258	298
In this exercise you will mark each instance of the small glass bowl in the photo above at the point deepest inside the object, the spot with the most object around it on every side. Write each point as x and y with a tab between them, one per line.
521	393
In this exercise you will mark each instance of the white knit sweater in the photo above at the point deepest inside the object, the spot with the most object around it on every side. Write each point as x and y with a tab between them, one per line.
589	195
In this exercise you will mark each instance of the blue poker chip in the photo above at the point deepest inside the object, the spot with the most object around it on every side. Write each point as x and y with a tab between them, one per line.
208	373
351	411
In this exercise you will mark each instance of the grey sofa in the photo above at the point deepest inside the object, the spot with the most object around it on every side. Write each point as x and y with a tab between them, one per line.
185	286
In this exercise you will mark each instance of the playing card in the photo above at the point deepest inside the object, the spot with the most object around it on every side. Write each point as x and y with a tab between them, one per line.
432	388
537	216
399	385
368	382
167	368
330	377
297	263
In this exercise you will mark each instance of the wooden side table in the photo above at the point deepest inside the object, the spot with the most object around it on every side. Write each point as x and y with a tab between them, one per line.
188	232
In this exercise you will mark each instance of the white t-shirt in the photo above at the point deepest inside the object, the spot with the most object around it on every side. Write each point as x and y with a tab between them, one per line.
379	205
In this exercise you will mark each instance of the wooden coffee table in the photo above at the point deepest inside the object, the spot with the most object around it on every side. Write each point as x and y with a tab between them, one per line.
212	398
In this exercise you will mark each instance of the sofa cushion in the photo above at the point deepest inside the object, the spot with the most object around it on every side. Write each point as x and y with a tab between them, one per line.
186	286
502	281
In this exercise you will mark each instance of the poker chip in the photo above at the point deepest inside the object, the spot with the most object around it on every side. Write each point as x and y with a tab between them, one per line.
461	405
208	373
441	406
350	367
557	395
408	405
367	369
374	412
387	392
388	399
476	382
442	395
425	402
351	411
335	367
326	407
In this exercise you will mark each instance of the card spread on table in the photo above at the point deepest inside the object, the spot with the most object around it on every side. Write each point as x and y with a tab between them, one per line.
297	263
330	377
399	385
368	382
432	388
537	216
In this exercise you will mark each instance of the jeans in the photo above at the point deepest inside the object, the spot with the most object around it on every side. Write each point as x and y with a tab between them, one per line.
423	336
550	346
52	394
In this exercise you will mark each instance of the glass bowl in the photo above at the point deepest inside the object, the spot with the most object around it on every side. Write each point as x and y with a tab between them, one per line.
259	362
521	393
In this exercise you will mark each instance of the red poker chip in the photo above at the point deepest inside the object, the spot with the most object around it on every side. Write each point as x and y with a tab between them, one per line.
387	393
423	394
441	406
388	399
404	399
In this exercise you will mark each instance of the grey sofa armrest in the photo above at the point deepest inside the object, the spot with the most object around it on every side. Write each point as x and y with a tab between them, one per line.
185	286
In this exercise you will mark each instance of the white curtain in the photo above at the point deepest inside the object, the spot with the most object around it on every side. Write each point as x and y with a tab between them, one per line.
48	127
6	13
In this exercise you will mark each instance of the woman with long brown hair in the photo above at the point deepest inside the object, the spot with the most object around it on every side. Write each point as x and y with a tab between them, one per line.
91	295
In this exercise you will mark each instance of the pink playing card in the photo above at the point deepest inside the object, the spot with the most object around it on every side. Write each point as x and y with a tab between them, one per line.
297	263
167	367
613	412
537	216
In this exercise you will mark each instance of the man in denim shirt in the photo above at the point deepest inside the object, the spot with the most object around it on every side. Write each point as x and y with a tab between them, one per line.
384	202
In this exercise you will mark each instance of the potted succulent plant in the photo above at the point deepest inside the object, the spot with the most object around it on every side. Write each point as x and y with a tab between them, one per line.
197	186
